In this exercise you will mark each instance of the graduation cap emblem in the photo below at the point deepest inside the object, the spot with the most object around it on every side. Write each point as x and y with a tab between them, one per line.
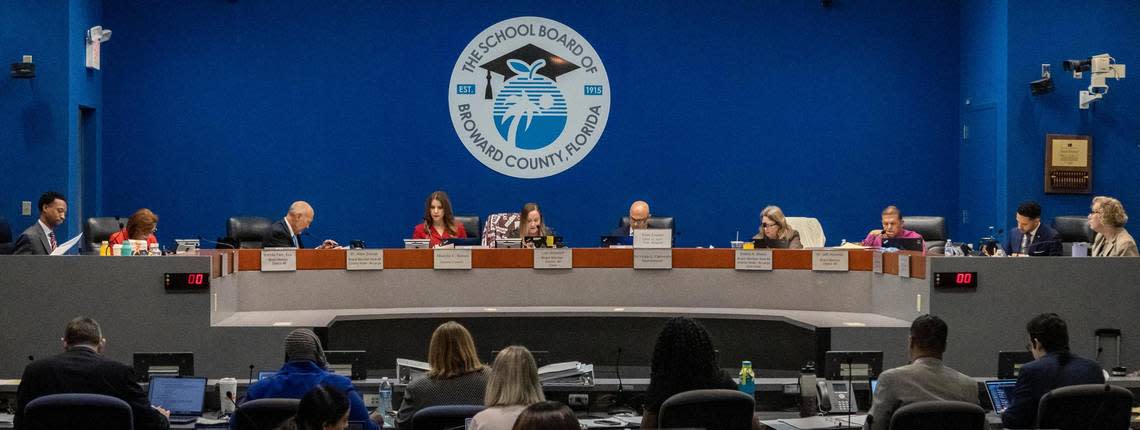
555	66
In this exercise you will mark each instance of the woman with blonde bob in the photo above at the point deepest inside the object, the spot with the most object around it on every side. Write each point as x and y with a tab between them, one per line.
774	226
1107	219
514	386
457	377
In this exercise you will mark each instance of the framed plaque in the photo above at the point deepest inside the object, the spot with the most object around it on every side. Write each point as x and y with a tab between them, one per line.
1068	164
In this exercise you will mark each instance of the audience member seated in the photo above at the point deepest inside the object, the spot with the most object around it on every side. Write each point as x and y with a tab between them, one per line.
638	218
547	416
892	229
305	368
774	226
513	386
1031	237
140	226
1107	220
322	408
684	359
82	368
286	233
924	379
39	239
457	377
439	221
531	223
1054	366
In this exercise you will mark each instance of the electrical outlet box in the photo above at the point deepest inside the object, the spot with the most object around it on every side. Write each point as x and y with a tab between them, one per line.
26	208
578	400
372	400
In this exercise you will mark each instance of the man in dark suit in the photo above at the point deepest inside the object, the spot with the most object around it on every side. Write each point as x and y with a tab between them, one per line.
1053	367
1031	237
286	232
81	368
39	239
638	218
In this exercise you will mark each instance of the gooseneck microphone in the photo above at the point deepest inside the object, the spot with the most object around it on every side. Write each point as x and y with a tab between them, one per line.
216	243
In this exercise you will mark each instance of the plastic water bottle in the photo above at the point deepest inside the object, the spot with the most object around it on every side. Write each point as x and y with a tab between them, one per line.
127	248
747	379
104	248
385	407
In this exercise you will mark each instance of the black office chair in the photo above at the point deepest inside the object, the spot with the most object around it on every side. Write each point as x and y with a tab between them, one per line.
654	222
939	415
6	241
1073	229
247	231
470	224
710	409
1085	407
264	414
445	417
78	411
932	229
100	228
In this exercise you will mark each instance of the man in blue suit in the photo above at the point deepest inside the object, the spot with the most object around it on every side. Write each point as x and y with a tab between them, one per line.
1053	367
1031	237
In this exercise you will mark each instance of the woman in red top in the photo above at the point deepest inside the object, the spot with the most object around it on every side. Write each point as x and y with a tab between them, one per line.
439	221
140	226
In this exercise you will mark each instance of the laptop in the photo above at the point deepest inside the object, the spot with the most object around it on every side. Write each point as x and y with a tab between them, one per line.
546	241
912	244
770	243
1001	392
461	241
265	374
183	396
608	241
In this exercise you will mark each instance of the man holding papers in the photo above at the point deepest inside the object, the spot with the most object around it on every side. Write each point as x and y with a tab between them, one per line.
39	239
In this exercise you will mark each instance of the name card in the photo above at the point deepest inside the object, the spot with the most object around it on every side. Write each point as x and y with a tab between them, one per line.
652	258
653	238
829	260
364	259
753	259
226	262
278	259
877	262
904	265
553	258
452	259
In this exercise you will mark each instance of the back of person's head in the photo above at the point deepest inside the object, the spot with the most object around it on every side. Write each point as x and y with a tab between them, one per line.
452	352
1029	209
322	407
514	379
928	333
683	359
303	344
82	331
141	224
1050	331
547	416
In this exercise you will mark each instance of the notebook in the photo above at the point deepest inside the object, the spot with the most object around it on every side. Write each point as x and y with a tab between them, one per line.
183	396
1000	391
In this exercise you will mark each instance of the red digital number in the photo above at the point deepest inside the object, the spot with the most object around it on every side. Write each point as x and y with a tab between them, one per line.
964	278
195	279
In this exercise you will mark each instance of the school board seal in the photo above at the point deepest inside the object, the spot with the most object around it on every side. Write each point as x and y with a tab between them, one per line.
529	97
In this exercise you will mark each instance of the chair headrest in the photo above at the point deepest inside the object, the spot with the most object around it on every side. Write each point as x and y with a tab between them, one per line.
1073	228
654	222
931	228
248	228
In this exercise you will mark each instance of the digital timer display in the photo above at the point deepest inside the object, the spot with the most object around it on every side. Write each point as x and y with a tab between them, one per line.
187	282
956	280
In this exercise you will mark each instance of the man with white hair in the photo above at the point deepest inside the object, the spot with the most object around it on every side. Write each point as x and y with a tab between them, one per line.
286	233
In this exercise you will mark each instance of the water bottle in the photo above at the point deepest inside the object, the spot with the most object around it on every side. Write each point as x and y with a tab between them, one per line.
127	248
747	379
104	248
385	408
809	403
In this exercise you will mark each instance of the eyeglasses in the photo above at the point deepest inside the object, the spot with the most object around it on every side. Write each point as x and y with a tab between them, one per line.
767	225
638	221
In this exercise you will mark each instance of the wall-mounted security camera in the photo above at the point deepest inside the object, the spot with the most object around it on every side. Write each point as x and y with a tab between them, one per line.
1100	67
1043	85
95	37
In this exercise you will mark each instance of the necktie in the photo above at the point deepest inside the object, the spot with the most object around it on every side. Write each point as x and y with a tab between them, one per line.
1025	243
53	243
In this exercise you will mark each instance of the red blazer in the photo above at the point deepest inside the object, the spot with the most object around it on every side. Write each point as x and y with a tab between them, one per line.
118	237
422	232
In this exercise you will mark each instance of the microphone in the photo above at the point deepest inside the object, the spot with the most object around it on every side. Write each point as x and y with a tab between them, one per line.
251	374
216	243
619	406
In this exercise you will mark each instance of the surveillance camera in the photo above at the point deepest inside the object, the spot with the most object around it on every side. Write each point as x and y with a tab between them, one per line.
1076	65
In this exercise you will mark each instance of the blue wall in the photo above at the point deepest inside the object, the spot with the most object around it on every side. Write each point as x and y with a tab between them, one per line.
718	109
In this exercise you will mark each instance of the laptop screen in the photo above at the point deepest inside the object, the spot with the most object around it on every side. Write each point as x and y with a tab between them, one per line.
911	244
265	374
1000	392
179	395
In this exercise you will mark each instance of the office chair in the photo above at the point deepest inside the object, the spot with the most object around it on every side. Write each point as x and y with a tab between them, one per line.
444	417
654	222
6	242
939	415
78	411
811	231
497	227
1085	407
470	224
711	409
264	414
248	231
1073	229
931	228
98	229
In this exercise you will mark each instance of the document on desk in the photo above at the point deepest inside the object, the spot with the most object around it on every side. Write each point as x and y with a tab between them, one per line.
829	422
66	246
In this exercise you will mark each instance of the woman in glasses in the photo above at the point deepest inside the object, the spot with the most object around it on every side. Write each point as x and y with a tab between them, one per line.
141	226
774	226
1107	220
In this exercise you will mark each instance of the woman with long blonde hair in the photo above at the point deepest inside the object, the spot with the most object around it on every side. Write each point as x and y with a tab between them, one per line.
514	386
457	377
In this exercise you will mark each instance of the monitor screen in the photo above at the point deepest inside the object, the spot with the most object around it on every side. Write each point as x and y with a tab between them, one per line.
180	396
854	365
1000	392
265	375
